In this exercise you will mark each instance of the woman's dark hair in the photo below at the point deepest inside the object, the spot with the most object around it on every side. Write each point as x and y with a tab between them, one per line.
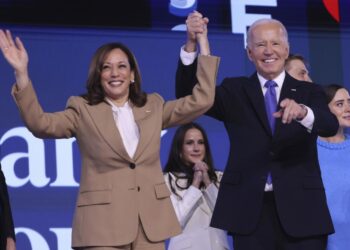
95	93
178	167
331	90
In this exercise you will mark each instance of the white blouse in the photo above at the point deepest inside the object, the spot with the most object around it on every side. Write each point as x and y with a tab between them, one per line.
128	129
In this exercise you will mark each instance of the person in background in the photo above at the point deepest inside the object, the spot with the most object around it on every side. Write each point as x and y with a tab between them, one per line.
123	201
295	66
334	158
271	195
7	230
193	181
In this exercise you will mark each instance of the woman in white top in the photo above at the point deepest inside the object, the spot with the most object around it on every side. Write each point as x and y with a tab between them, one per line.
191	177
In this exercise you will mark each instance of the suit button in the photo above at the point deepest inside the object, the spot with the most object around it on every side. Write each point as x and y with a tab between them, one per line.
132	165
272	154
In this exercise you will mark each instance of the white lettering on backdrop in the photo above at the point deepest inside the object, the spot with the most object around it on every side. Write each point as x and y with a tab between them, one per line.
37	241
36	161
241	20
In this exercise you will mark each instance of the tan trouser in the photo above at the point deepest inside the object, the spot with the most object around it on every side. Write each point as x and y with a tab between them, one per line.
141	243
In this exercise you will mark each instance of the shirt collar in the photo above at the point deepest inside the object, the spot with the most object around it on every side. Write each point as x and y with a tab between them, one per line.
115	107
278	80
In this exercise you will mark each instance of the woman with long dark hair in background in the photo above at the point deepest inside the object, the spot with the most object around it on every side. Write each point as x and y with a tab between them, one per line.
193	181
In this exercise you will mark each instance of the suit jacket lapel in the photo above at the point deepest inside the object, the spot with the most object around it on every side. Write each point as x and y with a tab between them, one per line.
256	97
289	89
102	116
146	131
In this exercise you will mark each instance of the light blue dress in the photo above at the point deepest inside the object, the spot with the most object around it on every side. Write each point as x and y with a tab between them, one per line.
334	160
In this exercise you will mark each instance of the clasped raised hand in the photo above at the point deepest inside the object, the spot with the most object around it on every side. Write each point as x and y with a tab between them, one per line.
196	30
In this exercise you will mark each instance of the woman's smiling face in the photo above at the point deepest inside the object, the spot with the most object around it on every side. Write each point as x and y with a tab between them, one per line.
116	76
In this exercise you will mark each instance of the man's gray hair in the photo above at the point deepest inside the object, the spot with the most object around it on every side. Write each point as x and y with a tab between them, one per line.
266	21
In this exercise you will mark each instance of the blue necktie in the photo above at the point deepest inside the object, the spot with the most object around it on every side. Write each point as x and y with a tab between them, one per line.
270	105
270	102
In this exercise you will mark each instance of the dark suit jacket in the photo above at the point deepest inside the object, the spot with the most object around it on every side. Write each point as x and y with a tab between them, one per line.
6	221
290	154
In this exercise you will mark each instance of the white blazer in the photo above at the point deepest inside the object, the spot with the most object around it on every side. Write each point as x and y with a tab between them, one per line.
194	209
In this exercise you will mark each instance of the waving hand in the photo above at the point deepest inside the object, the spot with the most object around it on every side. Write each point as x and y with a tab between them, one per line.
16	55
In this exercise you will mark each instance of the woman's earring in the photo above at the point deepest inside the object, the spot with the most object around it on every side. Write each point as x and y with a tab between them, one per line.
132	81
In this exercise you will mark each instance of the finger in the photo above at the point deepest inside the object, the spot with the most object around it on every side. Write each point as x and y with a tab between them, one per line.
296	112
195	14
293	111
205	27
278	114
196	22
194	27
198	174
3	40
9	38
284	103
194	18
19	44
201	166
196	167
205	166
286	114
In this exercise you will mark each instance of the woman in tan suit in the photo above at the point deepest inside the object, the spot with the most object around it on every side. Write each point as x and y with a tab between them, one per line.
123	201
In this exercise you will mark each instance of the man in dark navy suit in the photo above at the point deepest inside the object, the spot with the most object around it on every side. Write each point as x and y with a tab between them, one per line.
271	196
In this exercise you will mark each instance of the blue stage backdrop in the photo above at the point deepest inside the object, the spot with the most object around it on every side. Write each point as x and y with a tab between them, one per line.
43	175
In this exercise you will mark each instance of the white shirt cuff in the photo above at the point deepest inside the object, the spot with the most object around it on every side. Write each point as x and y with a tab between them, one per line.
309	119
187	58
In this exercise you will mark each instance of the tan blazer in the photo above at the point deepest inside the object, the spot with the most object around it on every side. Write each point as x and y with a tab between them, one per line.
117	191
